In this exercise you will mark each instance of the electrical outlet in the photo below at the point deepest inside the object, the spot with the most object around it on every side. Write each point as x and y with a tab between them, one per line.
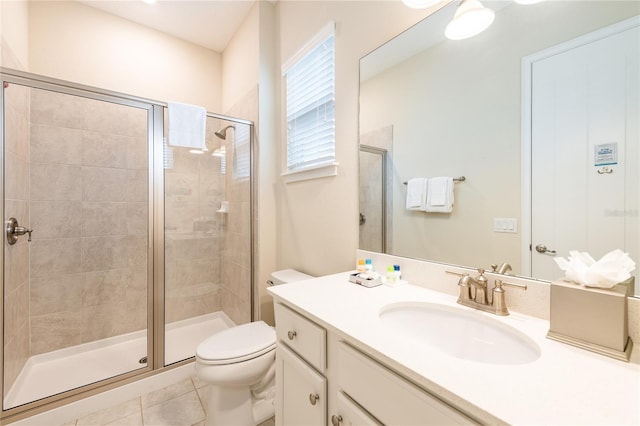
505	224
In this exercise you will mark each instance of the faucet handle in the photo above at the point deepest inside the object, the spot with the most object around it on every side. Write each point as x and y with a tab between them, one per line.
520	286
498	301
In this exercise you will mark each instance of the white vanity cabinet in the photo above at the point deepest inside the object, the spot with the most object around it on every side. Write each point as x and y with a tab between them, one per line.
301	387
321	379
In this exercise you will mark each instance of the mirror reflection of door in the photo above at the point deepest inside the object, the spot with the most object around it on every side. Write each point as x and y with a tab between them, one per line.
585	138
373	165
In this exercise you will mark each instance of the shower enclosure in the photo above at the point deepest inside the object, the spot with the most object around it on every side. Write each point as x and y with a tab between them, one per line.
121	252
373	199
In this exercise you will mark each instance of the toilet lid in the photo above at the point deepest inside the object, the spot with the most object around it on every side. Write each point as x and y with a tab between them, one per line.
238	343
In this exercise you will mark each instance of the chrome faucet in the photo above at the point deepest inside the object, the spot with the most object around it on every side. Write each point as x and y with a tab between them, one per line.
473	293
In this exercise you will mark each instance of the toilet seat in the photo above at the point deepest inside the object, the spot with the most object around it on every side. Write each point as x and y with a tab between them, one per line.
237	344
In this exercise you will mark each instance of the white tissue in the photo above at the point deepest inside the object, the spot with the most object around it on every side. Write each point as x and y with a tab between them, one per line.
613	268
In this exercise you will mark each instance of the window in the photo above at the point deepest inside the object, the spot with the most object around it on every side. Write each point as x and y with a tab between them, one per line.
310	83
242	151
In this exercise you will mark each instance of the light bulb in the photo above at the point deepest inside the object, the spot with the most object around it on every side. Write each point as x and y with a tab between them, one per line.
471	18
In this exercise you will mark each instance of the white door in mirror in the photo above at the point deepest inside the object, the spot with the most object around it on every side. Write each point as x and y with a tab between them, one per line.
584	114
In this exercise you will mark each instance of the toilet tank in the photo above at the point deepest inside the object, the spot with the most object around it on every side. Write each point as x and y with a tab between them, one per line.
287	276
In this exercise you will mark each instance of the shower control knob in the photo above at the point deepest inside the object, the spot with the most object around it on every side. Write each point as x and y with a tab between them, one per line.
14	230
336	420
313	398
291	334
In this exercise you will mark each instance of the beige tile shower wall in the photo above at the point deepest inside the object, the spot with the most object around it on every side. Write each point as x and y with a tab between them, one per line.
193	192
89	212
236	256
16	272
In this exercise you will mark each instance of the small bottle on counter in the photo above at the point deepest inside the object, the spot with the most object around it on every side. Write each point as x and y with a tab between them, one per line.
368	266
360	268
396	271
391	276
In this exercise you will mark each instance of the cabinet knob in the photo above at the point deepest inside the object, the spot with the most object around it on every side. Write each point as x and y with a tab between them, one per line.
336	420
291	334
313	398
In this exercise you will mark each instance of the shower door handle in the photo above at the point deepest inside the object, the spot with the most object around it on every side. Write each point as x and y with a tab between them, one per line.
14	230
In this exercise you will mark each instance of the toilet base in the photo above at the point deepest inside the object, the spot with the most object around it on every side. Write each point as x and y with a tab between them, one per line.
230	406
234	406
262	411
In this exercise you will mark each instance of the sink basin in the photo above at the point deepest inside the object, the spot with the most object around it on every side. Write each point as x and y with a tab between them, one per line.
460	333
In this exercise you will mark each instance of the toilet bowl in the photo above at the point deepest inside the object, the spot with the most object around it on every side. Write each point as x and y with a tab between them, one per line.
239	363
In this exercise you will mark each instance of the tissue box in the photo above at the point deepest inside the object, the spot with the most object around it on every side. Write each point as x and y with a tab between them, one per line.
592	318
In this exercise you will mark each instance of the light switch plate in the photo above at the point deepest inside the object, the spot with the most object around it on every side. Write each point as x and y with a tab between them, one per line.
505	224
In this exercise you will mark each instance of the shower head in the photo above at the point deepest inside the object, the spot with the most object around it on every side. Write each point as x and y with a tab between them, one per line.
222	133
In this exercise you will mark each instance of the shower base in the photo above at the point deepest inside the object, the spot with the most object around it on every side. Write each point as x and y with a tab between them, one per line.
65	369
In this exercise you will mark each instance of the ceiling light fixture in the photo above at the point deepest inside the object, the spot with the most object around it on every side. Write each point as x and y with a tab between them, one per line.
471	18
420	4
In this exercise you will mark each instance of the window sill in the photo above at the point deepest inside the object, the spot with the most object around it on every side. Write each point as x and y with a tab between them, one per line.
316	172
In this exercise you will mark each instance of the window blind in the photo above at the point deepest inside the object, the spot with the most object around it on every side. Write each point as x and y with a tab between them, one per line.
310	83
242	151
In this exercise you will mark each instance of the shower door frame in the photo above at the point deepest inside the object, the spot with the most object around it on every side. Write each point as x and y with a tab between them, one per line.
155	234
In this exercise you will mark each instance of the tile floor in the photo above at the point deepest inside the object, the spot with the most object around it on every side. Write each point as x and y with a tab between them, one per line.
181	404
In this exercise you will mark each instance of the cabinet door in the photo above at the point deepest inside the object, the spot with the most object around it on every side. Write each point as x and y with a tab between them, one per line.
348	413
302	392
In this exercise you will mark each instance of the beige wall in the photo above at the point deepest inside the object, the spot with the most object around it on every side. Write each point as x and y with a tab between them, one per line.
74	42
14	34
240	61
266	148
318	219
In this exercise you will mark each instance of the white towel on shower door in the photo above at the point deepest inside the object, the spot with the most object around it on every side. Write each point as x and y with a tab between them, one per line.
187	125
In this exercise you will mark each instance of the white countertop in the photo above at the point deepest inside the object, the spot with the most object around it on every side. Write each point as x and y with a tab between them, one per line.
565	385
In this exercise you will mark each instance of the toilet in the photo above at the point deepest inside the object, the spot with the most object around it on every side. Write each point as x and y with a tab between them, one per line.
239	363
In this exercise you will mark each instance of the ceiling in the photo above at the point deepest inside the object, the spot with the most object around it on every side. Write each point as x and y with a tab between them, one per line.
208	23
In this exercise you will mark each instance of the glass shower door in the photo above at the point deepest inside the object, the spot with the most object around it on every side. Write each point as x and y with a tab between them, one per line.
77	251
207	213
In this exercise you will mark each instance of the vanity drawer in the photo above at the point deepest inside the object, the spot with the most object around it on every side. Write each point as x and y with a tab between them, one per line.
389	397
351	414
305	337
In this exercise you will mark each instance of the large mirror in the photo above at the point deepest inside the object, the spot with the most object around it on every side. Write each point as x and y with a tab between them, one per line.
539	114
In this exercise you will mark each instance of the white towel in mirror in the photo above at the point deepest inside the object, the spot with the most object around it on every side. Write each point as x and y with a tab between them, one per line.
416	193
439	195
187	125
